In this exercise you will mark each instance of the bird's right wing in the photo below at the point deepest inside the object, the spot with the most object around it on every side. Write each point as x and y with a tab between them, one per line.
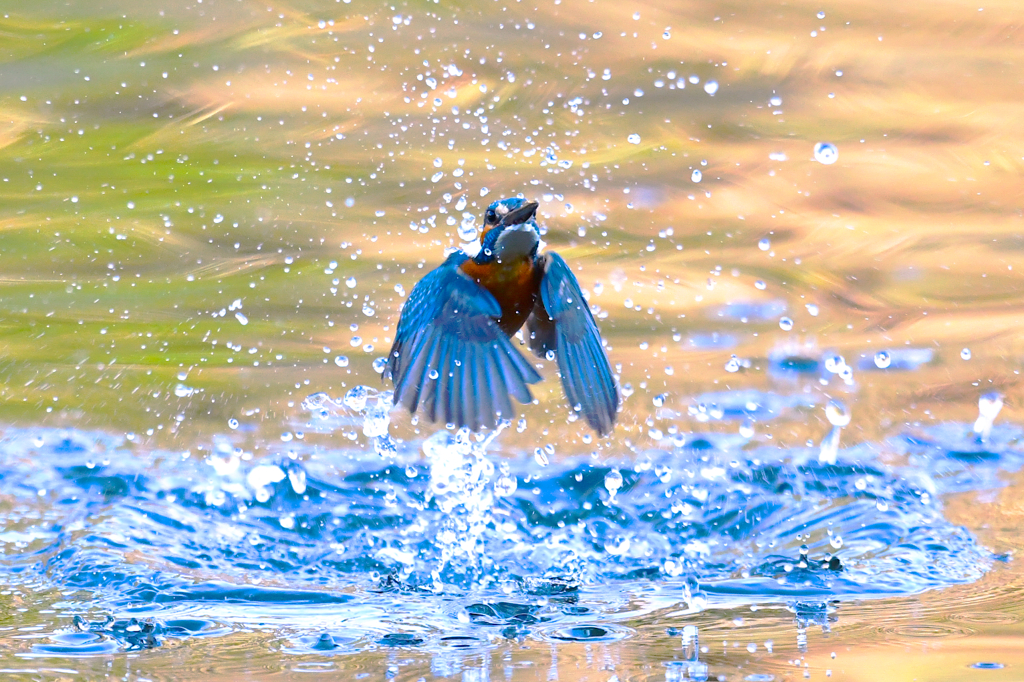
449	356
562	323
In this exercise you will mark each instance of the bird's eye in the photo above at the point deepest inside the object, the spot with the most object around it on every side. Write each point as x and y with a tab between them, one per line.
491	217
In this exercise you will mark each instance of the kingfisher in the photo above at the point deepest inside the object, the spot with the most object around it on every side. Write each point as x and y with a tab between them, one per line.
453	356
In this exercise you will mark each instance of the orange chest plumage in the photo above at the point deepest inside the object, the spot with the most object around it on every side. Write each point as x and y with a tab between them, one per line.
515	286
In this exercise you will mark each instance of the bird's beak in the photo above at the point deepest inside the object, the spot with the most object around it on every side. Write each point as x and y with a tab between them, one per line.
520	215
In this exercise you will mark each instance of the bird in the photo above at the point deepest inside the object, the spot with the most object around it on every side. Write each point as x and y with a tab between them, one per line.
453	357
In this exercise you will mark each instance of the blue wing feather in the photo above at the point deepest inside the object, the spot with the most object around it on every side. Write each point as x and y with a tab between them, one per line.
448	327
586	374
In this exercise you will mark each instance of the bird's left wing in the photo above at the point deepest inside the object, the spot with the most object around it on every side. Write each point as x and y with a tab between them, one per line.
564	325
450	357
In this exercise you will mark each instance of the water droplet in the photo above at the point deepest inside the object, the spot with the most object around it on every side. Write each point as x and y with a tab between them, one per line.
696	175
965	354
467	231
617	546
764	244
812	309
379	364
837	413
540	457
505	486
438	162
711	87
341	361
521	424
232	423
836	542
355	399
613	481
733	365
633	138
826	153
785	324
183	391
760	285
821	15
659	400
242	319
881	505
747	428
882	359
433	375
368	311
775	101
436	176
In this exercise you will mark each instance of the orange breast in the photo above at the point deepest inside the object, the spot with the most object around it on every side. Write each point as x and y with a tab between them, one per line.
514	285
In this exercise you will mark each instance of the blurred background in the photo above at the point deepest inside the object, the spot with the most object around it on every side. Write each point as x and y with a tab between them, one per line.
213	209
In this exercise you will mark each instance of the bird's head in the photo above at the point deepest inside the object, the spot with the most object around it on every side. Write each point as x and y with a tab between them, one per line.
510	230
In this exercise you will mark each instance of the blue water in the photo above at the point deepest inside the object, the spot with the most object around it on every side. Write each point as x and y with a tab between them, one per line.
452	541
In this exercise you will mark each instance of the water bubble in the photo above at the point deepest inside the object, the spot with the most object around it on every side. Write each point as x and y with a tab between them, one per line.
711	87
826	153
341	361
882	359
837	413
733	365
350	282
433	375
785	324
355	399
764	244
696	175
965	354
232	423
633	138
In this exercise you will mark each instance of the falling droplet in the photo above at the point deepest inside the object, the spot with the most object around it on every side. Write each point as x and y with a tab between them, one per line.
785	324
965	354
711	87
764	244
696	175
633	139
232	423
882	359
